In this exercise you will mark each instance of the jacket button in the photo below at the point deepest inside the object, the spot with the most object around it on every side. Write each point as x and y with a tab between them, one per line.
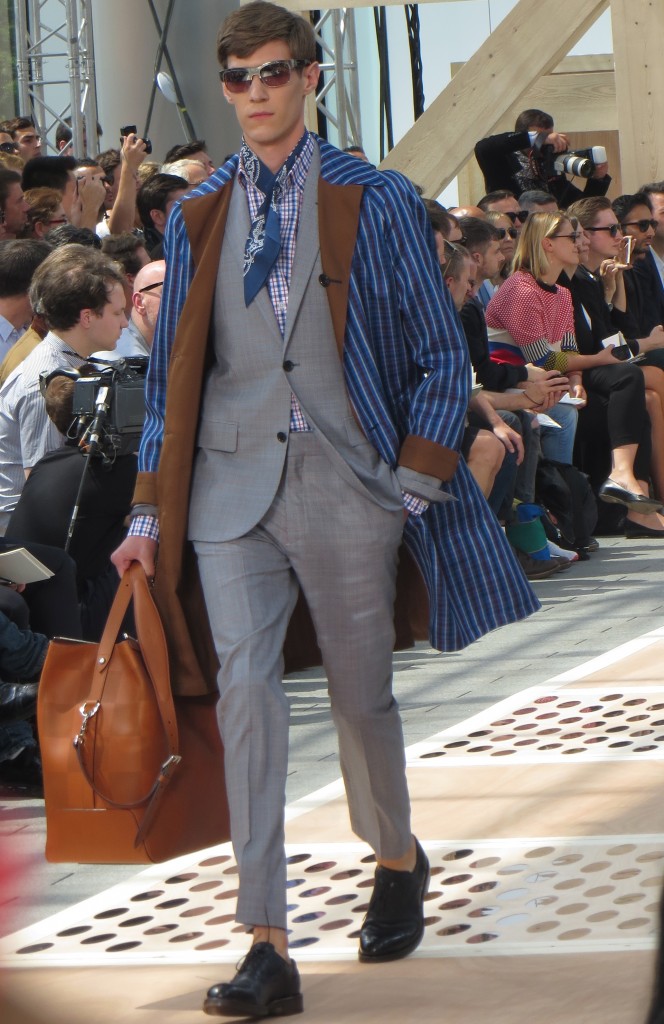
288	366
282	437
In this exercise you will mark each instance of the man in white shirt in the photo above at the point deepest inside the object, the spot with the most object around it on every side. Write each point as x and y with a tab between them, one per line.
79	291
19	259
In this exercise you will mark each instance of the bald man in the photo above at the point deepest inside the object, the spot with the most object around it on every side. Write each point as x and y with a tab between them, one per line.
467	211
136	339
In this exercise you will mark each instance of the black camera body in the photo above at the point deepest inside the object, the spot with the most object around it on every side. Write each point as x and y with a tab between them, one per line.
114	400
580	163
130	129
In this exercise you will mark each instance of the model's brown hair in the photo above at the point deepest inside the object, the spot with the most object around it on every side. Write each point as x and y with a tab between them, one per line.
258	23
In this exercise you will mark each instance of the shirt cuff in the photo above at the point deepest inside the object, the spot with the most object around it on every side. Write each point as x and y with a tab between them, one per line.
414	505
144	526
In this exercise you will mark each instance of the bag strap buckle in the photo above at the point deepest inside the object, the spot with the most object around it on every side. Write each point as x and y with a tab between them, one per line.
86	715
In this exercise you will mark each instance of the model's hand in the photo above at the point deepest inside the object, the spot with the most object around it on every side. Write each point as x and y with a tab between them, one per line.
136	549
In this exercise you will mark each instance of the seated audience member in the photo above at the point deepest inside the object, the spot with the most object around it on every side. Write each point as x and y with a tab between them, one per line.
645	298
655	192
129	251
620	391
465	211
81	200
518	161
510	474
80	293
538	201
63	139
137	337
192	171
445	226
487	437
155	201
504	201
13	207
66	234
25	136
19	260
509	235
535	319
599	285
45	211
483	241
122	215
195	150
45	510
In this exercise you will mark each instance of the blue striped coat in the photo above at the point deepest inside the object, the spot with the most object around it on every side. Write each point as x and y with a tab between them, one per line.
407	373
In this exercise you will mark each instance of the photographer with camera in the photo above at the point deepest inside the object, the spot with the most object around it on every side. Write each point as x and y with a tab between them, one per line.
534	156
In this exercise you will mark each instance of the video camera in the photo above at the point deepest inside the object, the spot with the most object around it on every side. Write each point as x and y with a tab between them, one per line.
109	404
579	162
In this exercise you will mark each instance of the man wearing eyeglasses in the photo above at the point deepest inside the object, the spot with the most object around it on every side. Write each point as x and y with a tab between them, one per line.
315	399
137	337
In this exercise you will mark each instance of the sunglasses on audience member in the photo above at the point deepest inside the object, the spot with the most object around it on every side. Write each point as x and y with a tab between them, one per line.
642	225
274	74
503	232
150	287
8	147
613	229
521	215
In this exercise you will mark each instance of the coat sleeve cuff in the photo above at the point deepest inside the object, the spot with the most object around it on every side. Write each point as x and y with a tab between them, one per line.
145	492
423	456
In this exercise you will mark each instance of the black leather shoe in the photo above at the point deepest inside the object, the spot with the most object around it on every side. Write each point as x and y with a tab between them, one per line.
394	924
17	701
612	492
264	986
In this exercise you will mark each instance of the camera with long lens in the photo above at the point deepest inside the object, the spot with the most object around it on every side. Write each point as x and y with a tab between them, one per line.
579	162
109	405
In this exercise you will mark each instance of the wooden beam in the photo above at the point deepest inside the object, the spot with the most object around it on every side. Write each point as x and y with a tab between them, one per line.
521	49
305	5
638	30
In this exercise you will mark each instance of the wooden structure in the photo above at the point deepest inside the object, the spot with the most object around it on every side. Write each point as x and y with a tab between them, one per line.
523	62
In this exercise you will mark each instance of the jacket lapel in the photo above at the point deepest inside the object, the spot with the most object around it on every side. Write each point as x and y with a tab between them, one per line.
338	221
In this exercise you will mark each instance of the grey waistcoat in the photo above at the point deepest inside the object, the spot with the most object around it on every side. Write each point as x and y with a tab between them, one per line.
245	414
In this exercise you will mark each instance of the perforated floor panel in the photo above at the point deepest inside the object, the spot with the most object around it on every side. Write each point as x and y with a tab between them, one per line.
488	896
517	896
570	724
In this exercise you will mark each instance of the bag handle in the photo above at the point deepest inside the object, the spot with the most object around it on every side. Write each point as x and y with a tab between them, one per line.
133	584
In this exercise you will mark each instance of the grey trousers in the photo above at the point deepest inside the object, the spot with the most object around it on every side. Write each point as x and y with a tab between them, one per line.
342	550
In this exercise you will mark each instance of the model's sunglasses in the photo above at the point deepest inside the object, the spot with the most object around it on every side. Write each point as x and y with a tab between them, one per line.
273	74
613	229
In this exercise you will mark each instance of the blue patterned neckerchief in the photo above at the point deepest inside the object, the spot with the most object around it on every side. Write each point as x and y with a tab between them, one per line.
264	241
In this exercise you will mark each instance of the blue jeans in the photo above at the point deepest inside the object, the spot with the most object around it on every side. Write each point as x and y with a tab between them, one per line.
558	444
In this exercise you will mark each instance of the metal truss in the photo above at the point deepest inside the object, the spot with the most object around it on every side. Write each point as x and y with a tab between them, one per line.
54	49
339	98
